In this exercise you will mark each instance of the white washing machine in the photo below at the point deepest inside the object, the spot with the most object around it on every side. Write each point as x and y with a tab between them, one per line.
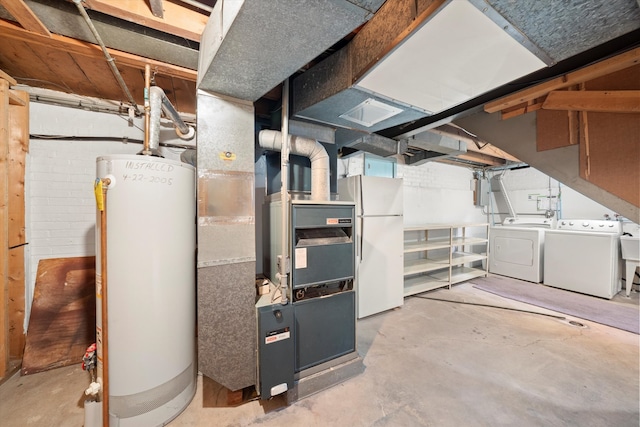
584	256
516	248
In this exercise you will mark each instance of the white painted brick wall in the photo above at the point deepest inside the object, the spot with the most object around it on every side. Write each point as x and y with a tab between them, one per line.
351	166
436	175
525	185
60	203
433	192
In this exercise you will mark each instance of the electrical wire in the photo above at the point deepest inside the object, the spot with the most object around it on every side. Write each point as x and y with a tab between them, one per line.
492	306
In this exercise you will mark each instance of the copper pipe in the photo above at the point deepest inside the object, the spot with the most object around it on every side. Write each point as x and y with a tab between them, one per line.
147	109
104	305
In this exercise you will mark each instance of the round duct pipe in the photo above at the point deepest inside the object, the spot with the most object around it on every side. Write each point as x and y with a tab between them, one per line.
320	168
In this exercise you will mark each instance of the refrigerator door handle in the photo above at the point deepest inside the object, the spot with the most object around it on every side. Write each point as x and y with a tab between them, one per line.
360	238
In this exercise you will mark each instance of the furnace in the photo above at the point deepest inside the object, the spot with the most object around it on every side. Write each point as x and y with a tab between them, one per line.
315	329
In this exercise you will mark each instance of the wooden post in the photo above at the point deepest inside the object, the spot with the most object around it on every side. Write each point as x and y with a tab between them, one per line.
16	228
14	143
4	229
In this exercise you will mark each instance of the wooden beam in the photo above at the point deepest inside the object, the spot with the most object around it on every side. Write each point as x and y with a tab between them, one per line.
4	227
602	68
8	78
17	160
613	101
584	141
178	20
474	143
25	16
524	108
490	150
15	305
73	46
574	127
15	99
16	229
482	158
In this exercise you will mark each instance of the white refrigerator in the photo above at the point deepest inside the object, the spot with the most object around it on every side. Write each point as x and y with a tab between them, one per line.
379	235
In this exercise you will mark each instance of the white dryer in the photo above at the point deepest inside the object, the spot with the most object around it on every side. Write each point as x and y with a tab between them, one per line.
516	248
584	256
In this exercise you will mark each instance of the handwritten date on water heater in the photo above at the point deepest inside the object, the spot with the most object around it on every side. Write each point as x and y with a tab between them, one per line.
152	179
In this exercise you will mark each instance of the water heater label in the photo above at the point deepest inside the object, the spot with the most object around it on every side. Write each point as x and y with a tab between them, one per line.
149	166
301	258
336	221
275	336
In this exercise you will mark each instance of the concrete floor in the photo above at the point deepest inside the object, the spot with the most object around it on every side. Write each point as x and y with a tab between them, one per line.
428	363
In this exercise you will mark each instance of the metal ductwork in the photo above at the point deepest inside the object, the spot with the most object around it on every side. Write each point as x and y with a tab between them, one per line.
369	142
428	145
414	61
249	46
328	92
272	140
159	103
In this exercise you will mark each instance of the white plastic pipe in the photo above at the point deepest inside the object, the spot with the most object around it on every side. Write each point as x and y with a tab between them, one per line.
271	140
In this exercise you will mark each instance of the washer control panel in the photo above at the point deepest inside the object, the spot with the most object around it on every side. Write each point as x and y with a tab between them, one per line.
592	225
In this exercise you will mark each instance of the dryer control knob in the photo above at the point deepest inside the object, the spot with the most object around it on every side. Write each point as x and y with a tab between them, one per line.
585	224
571	223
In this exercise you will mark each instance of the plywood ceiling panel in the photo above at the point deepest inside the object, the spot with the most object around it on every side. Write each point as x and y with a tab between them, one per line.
66	71
100	77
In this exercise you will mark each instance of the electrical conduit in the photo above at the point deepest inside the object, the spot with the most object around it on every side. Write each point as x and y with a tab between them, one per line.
284	194
512	211
109	58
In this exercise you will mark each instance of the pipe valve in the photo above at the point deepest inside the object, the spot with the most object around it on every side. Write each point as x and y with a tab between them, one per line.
94	389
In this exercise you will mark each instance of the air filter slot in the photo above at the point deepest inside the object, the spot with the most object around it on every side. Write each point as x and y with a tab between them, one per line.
322	236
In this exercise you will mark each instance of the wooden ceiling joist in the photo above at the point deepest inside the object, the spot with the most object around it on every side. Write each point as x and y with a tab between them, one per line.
8	78
25	16
177	19
608	66
73	46
481	158
619	101
491	151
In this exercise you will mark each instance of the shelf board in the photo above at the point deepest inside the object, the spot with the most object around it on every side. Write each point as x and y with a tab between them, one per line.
427	245
418	284
465	257
424	265
427	227
460	274
442	226
462	241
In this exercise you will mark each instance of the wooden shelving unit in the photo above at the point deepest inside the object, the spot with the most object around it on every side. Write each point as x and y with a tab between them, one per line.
440	255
